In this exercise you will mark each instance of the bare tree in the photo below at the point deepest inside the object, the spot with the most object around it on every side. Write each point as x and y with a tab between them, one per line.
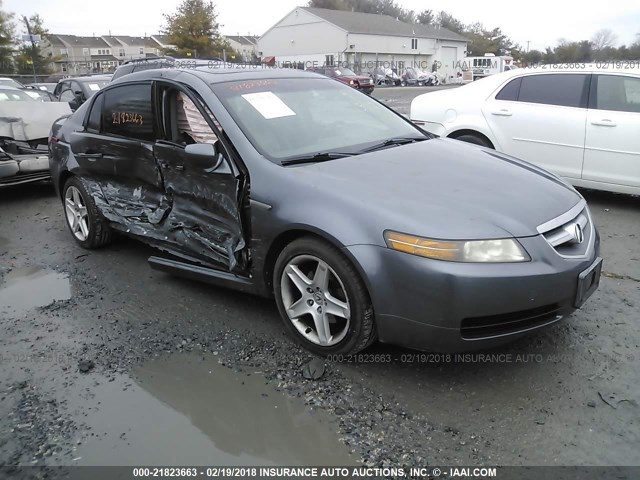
604	38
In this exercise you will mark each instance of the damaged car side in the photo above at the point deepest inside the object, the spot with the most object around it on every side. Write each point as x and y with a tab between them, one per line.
360	224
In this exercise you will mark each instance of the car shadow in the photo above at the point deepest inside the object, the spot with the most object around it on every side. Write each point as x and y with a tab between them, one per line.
610	199
27	191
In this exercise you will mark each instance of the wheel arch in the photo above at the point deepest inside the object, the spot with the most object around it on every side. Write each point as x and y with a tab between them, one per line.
468	131
63	178
288	236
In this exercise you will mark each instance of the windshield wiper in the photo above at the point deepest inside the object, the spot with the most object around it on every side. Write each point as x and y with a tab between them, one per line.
393	142
317	157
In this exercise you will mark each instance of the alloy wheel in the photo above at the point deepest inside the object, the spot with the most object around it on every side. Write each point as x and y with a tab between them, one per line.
315	300
76	213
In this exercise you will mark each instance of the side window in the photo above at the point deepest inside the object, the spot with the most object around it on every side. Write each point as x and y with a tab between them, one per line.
93	122
67	96
618	93
567	90
187	124
61	86
510	91
127	112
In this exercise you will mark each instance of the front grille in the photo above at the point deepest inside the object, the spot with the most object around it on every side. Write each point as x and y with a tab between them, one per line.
477	328
573	237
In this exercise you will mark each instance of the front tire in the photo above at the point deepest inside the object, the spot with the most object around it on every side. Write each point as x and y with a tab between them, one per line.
321	298
87	226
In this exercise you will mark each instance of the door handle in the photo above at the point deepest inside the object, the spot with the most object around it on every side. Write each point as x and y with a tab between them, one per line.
605	122
502	113
89	156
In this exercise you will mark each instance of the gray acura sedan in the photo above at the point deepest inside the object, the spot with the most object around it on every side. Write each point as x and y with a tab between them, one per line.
362	226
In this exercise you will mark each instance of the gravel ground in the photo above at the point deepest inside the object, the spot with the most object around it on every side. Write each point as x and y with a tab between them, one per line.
69	350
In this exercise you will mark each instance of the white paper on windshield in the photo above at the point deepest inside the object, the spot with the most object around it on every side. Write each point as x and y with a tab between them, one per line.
94	87
268	105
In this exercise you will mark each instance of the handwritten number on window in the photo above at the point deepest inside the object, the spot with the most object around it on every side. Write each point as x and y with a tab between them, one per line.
123	118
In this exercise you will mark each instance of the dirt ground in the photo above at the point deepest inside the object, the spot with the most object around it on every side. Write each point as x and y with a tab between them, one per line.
104	361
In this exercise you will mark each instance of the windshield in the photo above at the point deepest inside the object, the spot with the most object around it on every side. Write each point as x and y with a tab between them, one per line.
289	118
8	82
41	95
94	86
344	72
15	96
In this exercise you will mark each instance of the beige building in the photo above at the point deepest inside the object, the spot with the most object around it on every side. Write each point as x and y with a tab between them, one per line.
245	45
131	48
73	55
316	36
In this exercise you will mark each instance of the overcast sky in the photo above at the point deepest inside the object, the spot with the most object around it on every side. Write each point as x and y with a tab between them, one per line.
542	22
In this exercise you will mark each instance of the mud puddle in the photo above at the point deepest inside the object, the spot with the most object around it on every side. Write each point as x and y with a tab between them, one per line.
185	409
31	287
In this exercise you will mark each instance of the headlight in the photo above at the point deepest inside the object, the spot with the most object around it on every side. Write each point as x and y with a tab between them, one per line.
503	250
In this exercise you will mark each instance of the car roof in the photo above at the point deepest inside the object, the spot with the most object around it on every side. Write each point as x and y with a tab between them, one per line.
93	78
600	67
219	75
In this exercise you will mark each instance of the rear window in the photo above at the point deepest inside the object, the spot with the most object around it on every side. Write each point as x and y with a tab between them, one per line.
95	86
510	91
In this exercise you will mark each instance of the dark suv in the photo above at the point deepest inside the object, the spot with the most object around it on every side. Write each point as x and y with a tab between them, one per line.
347	76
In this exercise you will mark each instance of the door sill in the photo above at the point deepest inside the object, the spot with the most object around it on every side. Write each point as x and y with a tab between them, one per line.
202	274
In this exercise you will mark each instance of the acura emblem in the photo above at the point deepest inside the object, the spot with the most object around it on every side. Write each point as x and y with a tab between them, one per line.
575	232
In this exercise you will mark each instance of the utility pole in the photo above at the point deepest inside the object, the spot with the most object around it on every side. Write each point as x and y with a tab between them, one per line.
528	42
33	48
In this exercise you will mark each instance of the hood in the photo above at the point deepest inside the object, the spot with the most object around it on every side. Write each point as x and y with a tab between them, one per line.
444	189
26	121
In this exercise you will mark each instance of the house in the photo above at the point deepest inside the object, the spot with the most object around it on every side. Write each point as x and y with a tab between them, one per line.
316	36
163	42
73	55
131	48
245	45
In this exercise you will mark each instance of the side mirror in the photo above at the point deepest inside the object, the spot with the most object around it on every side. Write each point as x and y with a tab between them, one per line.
206	156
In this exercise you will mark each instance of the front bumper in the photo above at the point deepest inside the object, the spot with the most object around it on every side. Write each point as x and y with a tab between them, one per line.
446	307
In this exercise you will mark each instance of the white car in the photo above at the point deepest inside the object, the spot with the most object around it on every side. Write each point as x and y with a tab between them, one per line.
582	124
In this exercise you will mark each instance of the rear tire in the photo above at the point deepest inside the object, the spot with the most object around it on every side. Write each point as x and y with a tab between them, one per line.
475	139
321	298
86	224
